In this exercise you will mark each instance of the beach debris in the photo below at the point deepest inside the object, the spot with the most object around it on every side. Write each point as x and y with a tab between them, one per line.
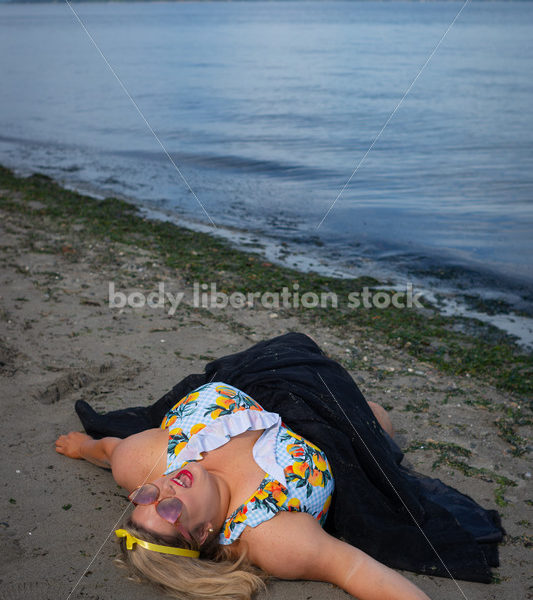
65	384
89	302
8	358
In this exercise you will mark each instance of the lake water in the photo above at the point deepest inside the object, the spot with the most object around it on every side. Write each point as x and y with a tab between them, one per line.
267	108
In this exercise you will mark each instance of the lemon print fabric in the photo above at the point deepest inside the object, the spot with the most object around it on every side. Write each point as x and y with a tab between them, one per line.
308	481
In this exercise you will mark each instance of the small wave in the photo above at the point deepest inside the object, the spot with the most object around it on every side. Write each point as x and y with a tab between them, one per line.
240	164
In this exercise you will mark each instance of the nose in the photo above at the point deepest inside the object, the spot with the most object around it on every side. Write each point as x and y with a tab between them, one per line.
166	489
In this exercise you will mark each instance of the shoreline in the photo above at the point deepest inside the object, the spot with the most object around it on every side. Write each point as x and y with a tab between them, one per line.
455	344
451	288
60	341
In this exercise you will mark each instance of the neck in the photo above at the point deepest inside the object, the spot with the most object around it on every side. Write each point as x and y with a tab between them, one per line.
222	481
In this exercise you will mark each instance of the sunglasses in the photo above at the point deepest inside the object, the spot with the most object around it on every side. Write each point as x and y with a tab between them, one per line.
169	508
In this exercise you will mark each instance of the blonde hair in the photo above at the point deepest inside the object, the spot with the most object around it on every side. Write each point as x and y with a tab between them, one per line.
218	573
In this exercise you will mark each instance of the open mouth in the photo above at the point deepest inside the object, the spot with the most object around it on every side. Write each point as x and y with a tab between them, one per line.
184	478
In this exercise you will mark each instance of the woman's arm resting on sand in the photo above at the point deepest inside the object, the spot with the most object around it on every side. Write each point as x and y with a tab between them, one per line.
132	460
294	546
80	445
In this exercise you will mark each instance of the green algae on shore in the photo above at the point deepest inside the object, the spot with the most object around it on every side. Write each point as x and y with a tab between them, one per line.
201	258
448	453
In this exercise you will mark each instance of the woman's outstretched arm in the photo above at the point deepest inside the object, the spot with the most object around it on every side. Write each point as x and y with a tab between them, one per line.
294	546
80	445
132	459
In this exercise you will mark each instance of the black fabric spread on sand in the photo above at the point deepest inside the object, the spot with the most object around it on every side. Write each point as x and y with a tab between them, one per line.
377	500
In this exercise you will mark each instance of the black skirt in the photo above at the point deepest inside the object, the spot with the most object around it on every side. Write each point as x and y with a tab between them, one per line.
401	518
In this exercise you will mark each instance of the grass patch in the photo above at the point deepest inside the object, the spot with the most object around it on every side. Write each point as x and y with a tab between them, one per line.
417	406
507	432
448	454
512	416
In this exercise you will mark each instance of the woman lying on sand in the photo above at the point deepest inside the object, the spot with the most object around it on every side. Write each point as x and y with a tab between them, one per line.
221	485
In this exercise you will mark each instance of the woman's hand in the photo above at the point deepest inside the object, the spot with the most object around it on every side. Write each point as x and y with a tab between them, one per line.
70	444
80	445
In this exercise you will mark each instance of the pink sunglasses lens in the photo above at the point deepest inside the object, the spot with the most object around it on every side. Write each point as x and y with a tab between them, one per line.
170	509
146	494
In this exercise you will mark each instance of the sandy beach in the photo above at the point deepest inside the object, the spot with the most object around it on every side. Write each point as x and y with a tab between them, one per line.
61	341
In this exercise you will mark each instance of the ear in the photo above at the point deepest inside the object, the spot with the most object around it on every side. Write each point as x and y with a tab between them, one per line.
205	531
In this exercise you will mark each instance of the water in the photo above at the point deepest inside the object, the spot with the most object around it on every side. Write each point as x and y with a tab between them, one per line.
267	109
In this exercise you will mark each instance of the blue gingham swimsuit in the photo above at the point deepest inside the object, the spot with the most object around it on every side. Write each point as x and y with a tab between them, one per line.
297	473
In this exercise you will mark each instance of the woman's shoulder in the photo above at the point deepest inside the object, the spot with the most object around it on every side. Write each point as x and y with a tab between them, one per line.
288	546
139	456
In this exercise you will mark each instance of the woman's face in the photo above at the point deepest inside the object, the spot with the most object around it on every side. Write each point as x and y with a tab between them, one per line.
198	491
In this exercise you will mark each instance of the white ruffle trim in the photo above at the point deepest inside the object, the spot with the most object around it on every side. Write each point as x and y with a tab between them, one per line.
222	429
